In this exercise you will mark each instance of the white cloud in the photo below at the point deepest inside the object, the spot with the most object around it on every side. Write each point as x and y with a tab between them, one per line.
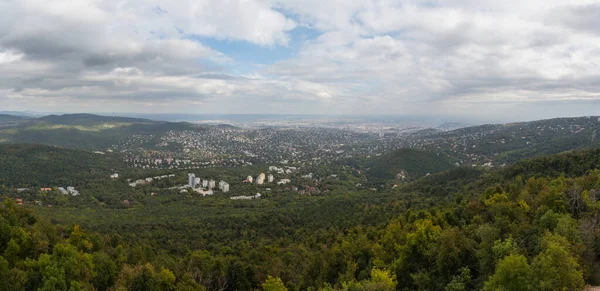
372	56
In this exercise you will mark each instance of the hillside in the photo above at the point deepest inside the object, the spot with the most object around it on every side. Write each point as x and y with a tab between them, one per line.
462	229
85	131
23	165
10	118
509	143
412	163
89	119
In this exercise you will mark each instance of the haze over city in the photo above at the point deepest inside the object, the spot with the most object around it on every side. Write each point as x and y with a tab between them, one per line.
502	60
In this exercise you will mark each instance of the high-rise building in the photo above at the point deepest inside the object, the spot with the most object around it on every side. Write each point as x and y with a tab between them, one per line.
249	179
261	179
192	180
270	178
204	183
224	186
211	184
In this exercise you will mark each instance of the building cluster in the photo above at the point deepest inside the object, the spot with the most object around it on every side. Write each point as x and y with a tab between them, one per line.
69	191
238	147
257	196
148	180
206	186
260	179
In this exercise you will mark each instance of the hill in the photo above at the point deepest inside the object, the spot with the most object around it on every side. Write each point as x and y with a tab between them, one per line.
411	163
509	143
85	131
23	165
9	118
525	227
89	119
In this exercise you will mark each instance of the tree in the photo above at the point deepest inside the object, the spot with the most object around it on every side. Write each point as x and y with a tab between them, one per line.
5	274
273	284
105	271
381	280
512	273
555	268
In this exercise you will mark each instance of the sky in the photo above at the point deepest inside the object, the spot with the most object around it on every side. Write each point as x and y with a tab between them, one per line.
512	60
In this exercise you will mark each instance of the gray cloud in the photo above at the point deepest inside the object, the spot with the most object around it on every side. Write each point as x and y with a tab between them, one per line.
379	56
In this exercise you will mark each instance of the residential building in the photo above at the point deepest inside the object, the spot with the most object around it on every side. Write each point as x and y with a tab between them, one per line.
224	186
211	184
205	192
261	179
250	179
270	178
283	181
192	180
258	195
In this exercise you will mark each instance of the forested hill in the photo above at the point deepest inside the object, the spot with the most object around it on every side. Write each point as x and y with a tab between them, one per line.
9	118
410	163
26	165
86	131
90	119
530	226
509	143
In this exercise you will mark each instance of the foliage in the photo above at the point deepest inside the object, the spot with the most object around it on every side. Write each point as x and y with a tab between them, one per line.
533	226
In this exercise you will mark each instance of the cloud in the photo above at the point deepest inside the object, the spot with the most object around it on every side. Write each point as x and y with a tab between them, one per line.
369	56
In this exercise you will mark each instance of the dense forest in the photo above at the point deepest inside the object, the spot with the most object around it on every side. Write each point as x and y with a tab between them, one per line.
531	226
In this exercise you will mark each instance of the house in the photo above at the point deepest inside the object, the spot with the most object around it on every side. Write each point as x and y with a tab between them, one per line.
20	201
283	181
114	176
258	195
204	193
46	189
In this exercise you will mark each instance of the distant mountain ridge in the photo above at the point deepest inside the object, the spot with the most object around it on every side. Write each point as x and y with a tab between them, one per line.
9	117
84	131
88	119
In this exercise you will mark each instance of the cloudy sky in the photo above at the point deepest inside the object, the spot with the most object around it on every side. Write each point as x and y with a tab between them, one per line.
510	59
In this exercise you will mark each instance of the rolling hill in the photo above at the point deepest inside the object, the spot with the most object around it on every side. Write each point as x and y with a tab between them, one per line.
24	165
85	131
412	162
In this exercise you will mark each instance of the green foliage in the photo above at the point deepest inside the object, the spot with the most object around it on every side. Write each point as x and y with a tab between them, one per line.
512	273
468	230
556	268
416	163
273	284
23	165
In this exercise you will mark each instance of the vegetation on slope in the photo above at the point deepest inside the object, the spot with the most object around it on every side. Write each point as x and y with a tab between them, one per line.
415	163
533	226
25	165
86	131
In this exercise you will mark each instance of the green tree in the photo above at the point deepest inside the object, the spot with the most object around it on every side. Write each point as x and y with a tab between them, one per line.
512	274
273	284
381	280
105	271
555	268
